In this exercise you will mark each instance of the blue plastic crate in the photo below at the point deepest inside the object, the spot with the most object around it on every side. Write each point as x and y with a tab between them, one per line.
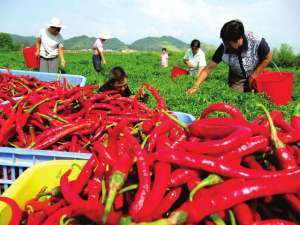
72	79
184	117
14	161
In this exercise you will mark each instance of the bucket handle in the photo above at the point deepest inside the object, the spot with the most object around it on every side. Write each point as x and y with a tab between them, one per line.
276	66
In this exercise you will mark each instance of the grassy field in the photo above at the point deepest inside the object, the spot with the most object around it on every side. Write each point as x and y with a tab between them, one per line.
145	67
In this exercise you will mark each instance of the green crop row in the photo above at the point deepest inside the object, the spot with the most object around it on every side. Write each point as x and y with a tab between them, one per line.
145	67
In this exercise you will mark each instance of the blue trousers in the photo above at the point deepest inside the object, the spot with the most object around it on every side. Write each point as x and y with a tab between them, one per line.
97	63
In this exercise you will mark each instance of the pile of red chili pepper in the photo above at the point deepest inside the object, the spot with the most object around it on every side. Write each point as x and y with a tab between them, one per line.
149	168
12	86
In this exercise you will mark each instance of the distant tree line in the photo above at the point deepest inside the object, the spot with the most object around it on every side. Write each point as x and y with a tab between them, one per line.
7	43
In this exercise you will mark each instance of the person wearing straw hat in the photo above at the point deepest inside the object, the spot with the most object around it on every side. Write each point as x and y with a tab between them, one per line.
194	57
245	53
98	52
49	46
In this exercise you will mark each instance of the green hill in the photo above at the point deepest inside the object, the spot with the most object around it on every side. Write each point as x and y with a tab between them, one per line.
157	43
114	44
85	42
144	44
23	40
80	42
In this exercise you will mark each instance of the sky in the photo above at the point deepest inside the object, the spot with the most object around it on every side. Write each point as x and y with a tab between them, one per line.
278	21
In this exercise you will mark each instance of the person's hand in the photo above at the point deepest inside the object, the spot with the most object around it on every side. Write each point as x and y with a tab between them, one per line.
37	54
63	63
104	61
191	91
252	79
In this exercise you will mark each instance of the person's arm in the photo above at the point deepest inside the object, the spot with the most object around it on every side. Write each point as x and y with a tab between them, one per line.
38	46
265	54
188	63
102	56
61	56
99	47
201	77
186	60
203	73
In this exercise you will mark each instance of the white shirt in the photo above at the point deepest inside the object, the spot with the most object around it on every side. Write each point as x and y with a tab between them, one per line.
50	44
197	60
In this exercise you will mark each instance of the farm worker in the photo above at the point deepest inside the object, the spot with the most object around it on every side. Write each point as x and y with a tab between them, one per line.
194	58
118	81
98	51
49	45
245	53
164	58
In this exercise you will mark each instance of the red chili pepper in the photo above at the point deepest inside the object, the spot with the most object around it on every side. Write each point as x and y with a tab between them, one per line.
290	137
167	202
8	128
243	214
156	132
94	185
295	119
181	176
234	140
254	144
159	100
215	127
103	154
223	107
69	211
119	202
16	211
50	140
213	165
162	176
286	159
144	185
237	191
85	174
35	218
93	212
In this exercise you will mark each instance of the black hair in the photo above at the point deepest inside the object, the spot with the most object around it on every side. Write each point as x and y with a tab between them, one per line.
195	43
117	74
164	49
232	31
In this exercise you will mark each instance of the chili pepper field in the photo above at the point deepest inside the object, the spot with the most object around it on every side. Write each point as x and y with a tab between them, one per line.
238	163
145	67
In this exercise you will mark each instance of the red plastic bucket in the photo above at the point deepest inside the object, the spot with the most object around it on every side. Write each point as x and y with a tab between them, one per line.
30	59
177	71
278	86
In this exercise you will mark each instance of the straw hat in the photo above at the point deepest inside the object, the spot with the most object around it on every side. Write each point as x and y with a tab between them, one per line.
55	22
103	36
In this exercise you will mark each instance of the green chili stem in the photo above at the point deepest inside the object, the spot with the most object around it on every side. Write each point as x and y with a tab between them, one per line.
103	195
232	217
277	142
182	124
128	188
216	219
212	179
30	110
145	141
116	181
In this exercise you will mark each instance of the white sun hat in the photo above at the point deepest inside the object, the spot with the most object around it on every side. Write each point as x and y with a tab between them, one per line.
103	36
55	22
